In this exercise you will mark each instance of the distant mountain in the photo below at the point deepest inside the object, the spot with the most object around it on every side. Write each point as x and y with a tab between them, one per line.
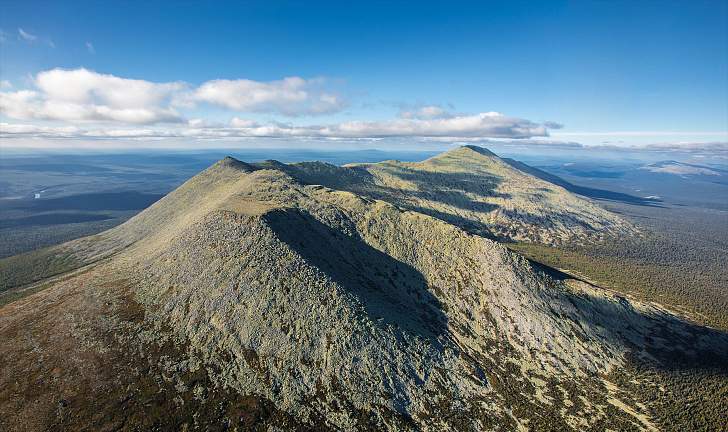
683	169
273	297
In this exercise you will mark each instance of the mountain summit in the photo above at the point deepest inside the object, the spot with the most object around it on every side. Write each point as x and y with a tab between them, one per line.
310	296
476	190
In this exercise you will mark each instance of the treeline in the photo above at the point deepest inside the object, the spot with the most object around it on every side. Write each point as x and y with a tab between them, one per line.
691	278
685	271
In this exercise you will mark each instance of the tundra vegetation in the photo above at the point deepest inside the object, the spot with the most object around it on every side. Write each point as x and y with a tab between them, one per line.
366	297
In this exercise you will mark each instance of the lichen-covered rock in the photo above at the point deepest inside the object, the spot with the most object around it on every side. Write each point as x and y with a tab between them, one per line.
477	191
335	305
361	298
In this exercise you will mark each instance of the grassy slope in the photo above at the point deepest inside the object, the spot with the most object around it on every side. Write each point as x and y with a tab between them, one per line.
34	266
475	190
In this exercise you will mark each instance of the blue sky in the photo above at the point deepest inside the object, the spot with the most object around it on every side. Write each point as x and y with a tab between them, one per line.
623	73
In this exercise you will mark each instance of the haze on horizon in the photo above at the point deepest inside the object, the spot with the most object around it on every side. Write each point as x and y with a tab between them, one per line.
375	75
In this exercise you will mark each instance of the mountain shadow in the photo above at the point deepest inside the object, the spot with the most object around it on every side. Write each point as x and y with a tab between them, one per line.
657	339
392	293
448	189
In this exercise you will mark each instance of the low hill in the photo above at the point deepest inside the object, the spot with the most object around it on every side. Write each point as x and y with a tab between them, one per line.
684	169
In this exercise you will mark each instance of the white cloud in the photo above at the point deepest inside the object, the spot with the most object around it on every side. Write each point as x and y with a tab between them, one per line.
480	126
292	96
27	36
90	48
5	84
489	124
10	130
483	125
237	122
95	100
18	104
83	95
85	87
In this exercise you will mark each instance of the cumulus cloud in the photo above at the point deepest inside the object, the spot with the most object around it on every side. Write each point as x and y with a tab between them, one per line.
83	95
86	87
292	96
5	84
94	100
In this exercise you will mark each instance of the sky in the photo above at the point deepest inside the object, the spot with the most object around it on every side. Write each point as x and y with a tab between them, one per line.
376	74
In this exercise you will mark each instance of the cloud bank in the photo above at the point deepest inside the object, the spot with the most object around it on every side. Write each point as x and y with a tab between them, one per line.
490	125
81	95
94	105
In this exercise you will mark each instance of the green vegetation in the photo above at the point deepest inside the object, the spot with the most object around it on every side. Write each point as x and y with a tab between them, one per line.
31	267
680	398
679	393
648	269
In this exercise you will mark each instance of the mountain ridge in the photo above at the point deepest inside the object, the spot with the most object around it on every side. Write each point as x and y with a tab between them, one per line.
345	311
472	187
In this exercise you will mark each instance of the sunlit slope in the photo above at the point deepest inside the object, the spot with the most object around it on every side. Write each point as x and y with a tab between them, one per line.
469	187
476	190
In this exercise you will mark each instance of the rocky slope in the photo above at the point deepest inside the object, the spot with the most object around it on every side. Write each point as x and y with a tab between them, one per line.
475	190
263	301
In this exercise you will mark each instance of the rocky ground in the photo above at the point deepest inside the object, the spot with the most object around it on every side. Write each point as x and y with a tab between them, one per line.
476	190
251	298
